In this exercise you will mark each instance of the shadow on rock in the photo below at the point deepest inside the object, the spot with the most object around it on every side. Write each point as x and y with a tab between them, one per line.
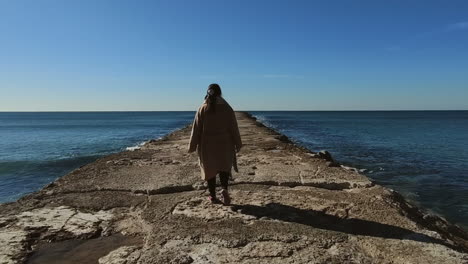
321	220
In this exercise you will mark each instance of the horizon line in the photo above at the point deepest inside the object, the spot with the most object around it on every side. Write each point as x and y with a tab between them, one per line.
279	110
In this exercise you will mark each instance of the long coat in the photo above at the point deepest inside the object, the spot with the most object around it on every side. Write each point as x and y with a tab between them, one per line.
215	136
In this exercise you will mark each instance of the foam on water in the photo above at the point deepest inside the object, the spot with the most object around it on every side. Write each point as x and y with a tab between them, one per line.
133	148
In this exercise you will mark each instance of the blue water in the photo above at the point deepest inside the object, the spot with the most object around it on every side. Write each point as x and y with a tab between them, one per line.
37	148
422	154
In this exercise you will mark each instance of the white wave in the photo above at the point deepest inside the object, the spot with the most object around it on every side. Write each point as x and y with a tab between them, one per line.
135	147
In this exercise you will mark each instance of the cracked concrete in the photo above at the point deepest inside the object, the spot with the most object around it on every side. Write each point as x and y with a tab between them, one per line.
55	223
289	206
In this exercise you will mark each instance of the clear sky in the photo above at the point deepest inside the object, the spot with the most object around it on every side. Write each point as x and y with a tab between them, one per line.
266	55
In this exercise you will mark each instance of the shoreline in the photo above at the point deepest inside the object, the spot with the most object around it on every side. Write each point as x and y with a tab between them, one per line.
155	193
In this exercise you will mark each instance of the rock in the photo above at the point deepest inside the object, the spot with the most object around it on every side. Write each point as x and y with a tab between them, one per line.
325	155
267	249
56	223
50	185
182	259
283	138
202	208
201	185
349	168
275	151
12	245
122	255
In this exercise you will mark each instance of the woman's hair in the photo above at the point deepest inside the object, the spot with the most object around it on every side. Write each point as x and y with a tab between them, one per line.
211	94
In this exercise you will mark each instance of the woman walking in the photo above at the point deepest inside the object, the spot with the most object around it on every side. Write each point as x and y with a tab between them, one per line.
215	136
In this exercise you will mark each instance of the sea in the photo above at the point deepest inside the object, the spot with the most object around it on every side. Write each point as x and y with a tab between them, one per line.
421	154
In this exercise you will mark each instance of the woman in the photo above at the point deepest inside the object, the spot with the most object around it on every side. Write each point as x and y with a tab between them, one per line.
216	137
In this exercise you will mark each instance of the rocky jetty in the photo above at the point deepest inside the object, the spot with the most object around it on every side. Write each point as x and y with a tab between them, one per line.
289	206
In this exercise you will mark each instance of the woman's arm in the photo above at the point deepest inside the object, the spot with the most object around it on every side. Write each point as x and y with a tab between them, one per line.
196	131
235	132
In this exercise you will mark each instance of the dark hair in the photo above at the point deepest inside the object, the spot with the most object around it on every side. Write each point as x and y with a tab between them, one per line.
213	91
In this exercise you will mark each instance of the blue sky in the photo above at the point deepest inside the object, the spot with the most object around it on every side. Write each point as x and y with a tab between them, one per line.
266	55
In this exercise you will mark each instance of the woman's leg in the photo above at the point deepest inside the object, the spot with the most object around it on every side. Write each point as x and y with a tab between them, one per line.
224	179
212	186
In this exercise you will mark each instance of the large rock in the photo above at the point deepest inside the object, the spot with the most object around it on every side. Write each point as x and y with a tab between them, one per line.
325	155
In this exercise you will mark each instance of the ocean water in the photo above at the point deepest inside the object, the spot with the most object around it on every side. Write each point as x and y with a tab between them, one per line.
421	154
37	148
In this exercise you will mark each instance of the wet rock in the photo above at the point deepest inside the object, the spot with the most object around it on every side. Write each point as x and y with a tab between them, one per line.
283	138
323	154
332	164
350	168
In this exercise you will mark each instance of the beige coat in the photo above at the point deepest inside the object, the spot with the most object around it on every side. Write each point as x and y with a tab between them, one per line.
215	136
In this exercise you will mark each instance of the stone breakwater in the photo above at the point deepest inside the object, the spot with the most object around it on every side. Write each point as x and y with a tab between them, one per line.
289	206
